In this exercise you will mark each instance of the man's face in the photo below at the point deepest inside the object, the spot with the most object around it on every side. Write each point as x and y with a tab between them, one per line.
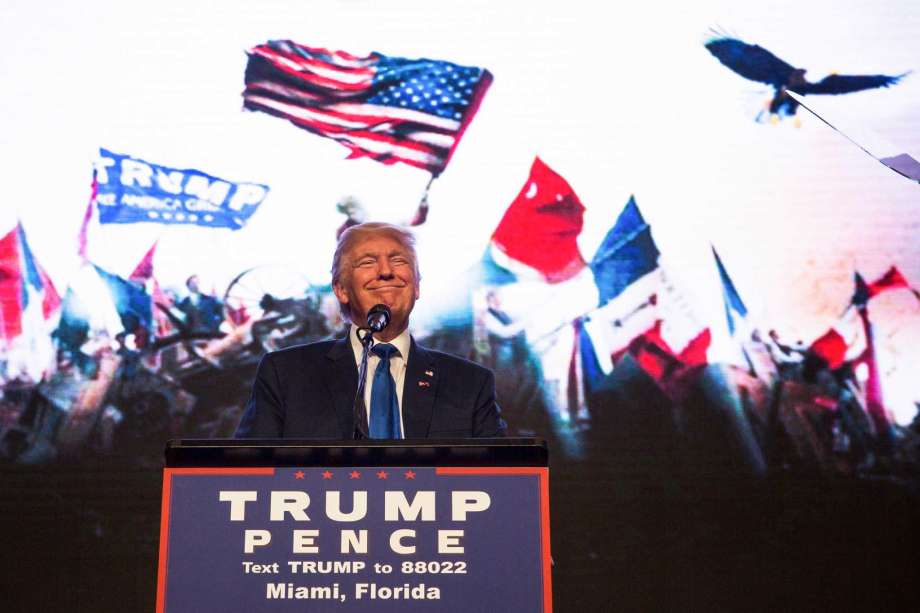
378	270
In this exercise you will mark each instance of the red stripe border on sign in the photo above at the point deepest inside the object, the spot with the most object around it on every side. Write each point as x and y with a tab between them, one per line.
543	474
164	515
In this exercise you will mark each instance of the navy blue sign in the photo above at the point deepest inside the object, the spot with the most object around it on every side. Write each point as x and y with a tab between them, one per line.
131	190
355	539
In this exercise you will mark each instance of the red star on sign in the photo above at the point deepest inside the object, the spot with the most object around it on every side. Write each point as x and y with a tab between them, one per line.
382	474
299	474
354	475
327	475
410	474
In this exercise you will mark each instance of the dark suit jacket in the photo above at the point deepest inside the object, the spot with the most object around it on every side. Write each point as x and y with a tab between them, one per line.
308	391
205	316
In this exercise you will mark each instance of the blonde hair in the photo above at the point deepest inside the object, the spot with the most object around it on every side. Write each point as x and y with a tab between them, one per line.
354	235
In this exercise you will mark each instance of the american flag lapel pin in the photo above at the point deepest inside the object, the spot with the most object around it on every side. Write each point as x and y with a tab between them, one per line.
424	384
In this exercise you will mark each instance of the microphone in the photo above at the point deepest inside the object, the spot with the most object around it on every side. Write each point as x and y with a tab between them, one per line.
378	317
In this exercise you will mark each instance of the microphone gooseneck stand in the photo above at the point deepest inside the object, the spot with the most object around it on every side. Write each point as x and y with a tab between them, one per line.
378	318
359	410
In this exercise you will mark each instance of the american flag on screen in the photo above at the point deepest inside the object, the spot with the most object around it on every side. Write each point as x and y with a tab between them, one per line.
387	108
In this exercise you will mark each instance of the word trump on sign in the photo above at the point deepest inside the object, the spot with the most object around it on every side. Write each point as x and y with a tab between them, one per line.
131	190
293	505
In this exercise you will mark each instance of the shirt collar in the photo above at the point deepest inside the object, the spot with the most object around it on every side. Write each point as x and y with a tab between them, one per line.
402	342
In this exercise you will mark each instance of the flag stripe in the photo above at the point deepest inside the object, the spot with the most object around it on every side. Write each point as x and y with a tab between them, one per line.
369	111
335	117
22	280
375	149
342	74
335	79
349	130
261	69
292	92
342	58
426	150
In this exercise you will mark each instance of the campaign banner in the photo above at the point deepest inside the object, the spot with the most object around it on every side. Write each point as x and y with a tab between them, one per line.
355	539
131	190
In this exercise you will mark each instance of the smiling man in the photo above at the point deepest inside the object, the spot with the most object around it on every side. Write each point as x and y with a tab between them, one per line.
308	391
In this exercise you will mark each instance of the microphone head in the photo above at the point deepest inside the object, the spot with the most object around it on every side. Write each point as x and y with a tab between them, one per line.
378	317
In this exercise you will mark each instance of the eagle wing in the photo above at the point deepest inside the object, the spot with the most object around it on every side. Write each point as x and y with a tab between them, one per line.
845	84
751	61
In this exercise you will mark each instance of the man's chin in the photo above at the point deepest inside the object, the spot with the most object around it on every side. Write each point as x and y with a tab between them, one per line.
398	312
393	299
387	296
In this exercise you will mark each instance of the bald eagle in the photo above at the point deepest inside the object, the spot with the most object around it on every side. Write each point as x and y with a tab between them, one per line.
757	64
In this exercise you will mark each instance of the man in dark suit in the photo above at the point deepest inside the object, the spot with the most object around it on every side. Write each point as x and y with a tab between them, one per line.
308	391
203	312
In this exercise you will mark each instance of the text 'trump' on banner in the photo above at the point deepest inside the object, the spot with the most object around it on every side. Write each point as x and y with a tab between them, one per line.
132	190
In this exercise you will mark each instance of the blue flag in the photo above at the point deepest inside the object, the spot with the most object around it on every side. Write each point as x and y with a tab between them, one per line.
861	291
730	297
134	305
591	371
133	191
626	254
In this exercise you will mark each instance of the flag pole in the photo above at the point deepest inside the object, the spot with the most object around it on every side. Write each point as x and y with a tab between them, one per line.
87	218
586	316
421	214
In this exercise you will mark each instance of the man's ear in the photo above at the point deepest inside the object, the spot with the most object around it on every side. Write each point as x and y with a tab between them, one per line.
339	290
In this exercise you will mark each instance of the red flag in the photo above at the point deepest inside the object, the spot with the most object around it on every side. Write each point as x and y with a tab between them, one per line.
237	316
22	280
143	272
160	299
673	371
831	347
51	300
542	224
892	279
10	287
694	354
653	353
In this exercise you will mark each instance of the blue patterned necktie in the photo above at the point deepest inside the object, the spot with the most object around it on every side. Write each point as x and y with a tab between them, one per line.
384	404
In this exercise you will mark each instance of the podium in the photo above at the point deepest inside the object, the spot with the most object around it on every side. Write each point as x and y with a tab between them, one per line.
348	526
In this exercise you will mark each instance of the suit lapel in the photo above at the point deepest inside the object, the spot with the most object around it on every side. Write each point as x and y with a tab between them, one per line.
419	390
342	381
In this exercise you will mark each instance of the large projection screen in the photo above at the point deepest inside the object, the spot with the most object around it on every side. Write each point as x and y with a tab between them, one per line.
701	293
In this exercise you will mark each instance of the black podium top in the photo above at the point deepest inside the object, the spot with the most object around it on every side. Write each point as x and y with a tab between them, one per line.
304	453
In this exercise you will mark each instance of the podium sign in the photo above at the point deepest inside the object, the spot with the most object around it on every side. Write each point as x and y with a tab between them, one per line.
393	534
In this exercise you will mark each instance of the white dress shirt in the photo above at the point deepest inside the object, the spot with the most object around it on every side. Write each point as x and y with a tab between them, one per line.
398	363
